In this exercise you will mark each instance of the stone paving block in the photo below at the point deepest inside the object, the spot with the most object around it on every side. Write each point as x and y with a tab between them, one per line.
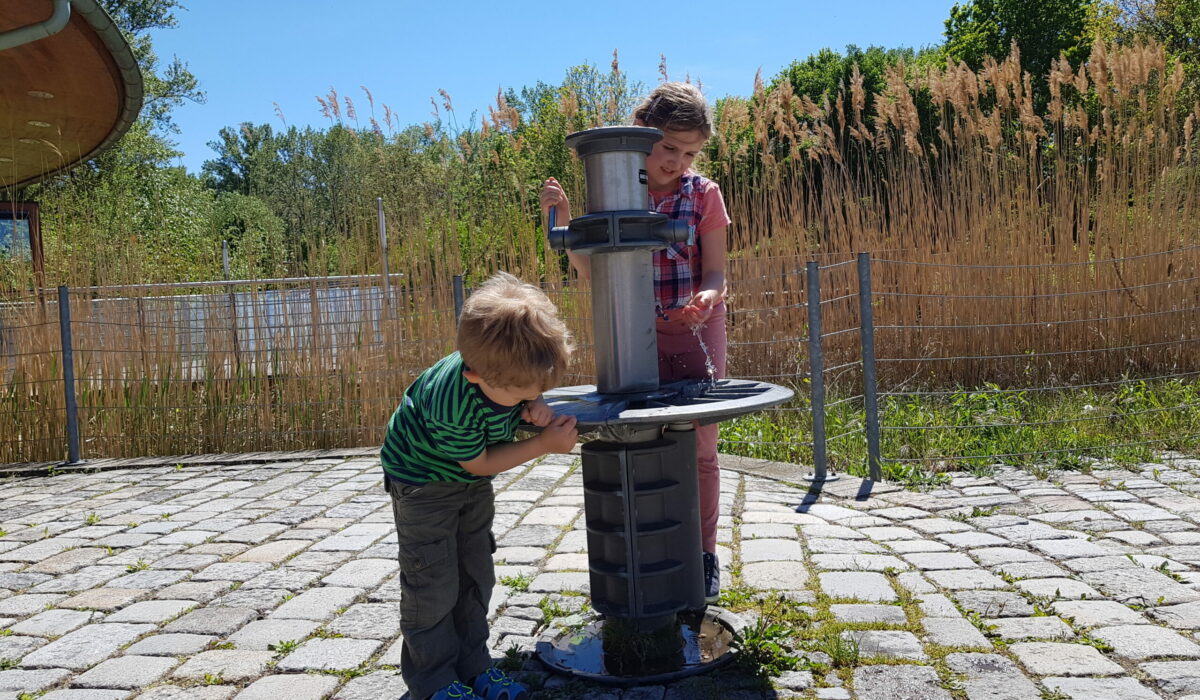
1176	677
231	666
28	603
126	672
776	575
316	603
1068	549
824	545
72	694
368	621
898	683
261	600
1058	588
254	533
561	581
209	620
1142	642
857	562
991	556
771	550
1023	628
22	580
1062	659
866	586
1096	688
362	573
152	611
1185	616
199	591
54	623
272	552
520	555
21	680
291	686
966	579
86	646
106	599
567	562
553	515
937	605
954	632
191	562
261	635
13	647
971	540
1092	564
992	677
1097	613
927	561
231	571
891	644
910	546
888	533
68	561
888	614
329	655
171	644
285	577
1141	585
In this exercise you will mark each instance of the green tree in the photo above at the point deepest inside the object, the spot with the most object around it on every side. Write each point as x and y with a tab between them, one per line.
1043	30
1173	23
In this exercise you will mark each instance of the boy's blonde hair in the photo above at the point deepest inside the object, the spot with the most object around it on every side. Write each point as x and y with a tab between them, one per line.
675	107
510	334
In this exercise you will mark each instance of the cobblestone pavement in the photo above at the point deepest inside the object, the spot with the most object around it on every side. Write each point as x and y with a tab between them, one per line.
277	579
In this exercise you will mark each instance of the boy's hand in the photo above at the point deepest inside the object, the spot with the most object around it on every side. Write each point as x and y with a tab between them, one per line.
537	412
700	307
553	196
560	435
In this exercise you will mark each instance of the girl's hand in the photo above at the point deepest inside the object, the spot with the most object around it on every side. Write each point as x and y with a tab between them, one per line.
538	413
700	308
555	197
560	435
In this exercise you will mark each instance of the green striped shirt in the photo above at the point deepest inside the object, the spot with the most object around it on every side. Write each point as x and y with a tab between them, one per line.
443	420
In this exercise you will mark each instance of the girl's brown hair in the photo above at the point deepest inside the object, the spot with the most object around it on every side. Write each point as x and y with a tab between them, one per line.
511	335
675	107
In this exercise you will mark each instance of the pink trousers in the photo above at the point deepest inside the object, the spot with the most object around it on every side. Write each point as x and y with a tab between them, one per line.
681	357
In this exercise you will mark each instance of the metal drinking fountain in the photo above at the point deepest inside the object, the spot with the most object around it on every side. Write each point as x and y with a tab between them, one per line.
641	494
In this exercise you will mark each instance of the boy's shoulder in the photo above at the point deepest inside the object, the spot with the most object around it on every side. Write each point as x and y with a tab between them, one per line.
442	392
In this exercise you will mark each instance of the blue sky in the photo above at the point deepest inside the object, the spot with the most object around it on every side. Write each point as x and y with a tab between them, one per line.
251	54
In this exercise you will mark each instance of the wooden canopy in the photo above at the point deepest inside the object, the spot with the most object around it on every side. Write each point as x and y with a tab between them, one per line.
66	97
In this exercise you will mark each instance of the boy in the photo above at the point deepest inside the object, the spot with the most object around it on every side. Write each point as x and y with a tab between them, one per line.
453	431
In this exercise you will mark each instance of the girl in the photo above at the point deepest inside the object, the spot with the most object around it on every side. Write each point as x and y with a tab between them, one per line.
689	280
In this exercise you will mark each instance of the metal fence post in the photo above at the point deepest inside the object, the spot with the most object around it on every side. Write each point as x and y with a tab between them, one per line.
870	380
816	373
459	296
68	361
383	256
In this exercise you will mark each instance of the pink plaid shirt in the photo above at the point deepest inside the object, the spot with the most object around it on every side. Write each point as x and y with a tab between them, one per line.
677	270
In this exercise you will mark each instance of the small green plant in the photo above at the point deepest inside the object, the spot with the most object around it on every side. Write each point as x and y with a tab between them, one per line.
551	610
6	633
222	645
1088	639
3	532
519	583
765	649
978	512
324	632
164	516
91	519
139	565
178	467
843	651
513	660
214	678
6	664
284	646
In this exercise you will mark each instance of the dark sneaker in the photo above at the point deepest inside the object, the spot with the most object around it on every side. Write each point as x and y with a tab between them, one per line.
712	578
494	684
454	691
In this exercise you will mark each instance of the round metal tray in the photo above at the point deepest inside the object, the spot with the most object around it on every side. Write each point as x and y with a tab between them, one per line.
699	400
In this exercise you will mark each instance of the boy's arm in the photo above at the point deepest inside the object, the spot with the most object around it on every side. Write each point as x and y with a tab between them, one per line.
559	436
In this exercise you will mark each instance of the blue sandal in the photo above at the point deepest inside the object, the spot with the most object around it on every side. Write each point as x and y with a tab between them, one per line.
494	684
454	691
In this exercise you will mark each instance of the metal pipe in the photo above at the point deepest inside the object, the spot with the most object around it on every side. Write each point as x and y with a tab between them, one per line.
216	283
68	360
870	379
816	372
34	32
383	254
459	297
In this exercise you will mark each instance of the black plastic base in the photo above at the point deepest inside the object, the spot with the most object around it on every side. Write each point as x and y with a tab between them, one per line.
701	642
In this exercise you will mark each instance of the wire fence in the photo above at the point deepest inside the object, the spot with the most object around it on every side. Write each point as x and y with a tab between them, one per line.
968	359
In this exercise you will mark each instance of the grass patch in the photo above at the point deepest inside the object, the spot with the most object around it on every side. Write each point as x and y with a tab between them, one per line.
974	429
